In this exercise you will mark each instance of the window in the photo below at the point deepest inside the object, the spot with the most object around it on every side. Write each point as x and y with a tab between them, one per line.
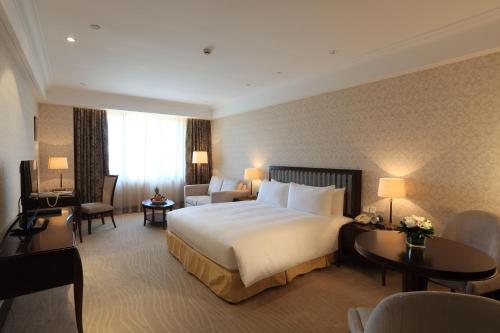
146	150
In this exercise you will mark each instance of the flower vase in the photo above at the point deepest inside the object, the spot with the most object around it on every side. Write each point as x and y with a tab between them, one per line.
413	240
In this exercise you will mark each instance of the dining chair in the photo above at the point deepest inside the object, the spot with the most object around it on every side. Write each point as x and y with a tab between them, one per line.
427	311
480	230
104	208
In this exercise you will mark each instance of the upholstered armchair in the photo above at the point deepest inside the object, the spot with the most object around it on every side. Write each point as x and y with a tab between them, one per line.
427	311
480	230
102	209
220	189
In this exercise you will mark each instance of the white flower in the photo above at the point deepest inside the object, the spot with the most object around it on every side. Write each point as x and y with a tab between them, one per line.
410	222
419	218
414	221
426	225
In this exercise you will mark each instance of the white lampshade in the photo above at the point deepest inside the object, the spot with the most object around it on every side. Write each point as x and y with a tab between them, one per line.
391	188
200	157
252	174
58	163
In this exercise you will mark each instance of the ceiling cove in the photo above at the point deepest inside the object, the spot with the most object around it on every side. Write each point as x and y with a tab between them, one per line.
152	55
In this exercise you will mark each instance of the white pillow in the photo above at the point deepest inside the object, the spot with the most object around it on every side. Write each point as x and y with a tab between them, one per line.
230	184
338	202
311	199
274	193
215	184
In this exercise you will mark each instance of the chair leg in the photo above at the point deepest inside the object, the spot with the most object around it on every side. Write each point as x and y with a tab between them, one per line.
113	220
102	219
89	230
383	277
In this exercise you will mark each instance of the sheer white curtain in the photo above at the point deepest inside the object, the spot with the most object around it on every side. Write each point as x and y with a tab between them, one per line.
146	150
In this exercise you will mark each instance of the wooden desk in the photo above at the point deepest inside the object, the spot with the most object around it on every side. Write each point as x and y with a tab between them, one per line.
41	261
441	258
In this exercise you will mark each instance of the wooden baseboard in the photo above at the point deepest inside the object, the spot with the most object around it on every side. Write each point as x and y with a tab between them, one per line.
4	311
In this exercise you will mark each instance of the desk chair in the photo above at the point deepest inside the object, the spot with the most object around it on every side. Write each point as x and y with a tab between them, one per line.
102	209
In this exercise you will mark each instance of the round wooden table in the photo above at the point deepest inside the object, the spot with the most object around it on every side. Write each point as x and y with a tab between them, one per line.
158	212
441	258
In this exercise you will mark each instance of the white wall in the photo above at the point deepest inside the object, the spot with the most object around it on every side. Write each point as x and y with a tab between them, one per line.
18	106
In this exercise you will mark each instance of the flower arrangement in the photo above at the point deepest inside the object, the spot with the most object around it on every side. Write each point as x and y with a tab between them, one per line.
157	198
417	229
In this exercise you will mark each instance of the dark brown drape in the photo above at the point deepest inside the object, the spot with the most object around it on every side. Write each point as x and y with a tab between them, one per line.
198	138
90	128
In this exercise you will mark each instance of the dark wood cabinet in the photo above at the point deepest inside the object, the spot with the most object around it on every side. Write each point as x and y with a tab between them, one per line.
43	260
347	236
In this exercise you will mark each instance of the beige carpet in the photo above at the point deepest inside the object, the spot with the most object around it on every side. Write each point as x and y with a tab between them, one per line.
132	284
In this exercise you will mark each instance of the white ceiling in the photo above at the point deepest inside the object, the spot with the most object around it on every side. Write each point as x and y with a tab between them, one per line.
153	48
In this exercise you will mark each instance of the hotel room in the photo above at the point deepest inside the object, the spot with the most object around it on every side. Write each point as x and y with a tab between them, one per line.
259	166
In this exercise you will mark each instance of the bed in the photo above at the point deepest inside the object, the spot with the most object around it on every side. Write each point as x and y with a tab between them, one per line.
239	249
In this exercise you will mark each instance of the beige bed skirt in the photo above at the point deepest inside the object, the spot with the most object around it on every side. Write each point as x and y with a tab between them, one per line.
227	284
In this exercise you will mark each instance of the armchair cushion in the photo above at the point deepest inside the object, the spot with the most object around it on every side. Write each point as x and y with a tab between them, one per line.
230	184
198	189
227	196
459	286
357	319
215	192
215	184
197	200
480	230
432	311
95	207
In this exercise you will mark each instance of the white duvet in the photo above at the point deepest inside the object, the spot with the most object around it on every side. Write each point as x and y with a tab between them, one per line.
255	238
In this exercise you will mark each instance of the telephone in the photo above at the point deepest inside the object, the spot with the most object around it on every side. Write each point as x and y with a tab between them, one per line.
365	218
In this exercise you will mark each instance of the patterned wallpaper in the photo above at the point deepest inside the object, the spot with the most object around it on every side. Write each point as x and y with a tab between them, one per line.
439	128
55	137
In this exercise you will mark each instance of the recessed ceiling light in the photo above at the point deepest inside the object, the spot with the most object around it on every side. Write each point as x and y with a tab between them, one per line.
95	26
71	39
332	51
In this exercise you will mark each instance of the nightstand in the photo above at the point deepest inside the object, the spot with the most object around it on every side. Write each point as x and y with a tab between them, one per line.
347	236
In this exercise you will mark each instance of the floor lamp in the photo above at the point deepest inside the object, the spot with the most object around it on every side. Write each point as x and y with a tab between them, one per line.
200	157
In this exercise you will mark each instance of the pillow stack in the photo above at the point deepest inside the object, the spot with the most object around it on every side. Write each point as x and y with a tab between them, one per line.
324	201
274	193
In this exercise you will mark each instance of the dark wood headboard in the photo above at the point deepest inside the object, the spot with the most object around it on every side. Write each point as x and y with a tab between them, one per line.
341	178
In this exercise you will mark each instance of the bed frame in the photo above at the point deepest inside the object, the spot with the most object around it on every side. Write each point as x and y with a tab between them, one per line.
341	178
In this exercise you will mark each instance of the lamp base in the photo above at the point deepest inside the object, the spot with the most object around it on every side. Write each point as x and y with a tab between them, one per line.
390	214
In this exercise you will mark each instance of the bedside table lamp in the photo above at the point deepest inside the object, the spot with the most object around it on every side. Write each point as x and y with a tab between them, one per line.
252	174
391	188
58	163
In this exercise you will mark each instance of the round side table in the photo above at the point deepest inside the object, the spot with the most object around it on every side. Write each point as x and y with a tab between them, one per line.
158	212
441	258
